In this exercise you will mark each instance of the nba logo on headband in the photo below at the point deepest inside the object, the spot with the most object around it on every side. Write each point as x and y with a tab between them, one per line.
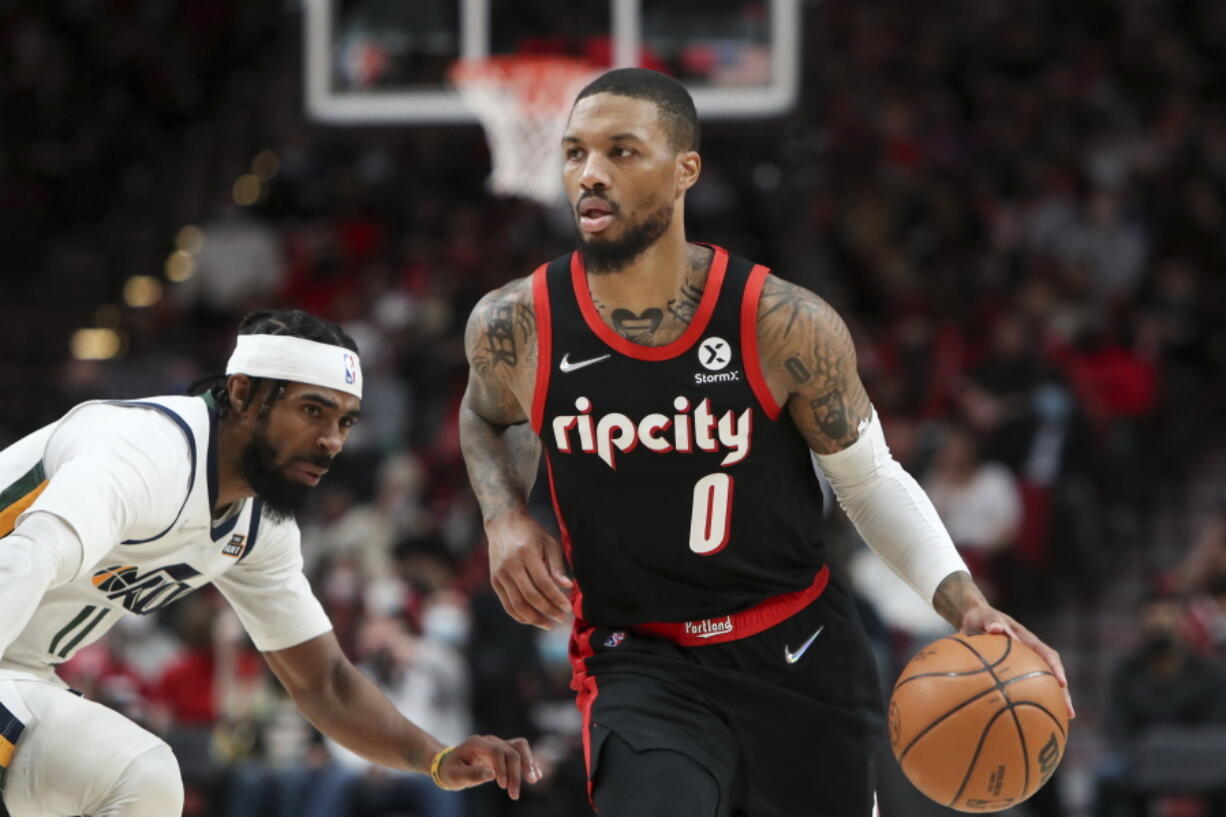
296	359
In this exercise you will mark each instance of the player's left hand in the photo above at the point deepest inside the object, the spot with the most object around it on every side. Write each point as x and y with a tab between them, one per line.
986	619
482	758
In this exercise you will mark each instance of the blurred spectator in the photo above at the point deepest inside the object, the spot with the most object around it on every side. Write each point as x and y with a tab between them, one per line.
1161	684
1205	563
368	532
998	388
239	267
1112	247
979	503
205	691
427	680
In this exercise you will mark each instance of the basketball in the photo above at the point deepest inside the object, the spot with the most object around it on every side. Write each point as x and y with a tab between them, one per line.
978	723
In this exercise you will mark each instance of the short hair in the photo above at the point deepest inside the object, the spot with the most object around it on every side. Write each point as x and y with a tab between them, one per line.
677	112
293	323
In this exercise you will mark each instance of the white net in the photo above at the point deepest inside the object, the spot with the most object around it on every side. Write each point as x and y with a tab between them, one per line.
522	102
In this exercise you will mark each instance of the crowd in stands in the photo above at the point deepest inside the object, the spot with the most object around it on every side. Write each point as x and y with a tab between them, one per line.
1019	208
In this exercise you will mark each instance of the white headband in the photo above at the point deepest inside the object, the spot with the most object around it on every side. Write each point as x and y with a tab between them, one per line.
303	361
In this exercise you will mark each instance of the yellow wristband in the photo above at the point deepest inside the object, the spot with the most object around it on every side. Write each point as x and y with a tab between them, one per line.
437	764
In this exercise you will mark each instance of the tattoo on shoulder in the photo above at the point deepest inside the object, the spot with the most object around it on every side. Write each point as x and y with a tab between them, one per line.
781	301
797	369
525	320
500	335
808	341
830	414
501	330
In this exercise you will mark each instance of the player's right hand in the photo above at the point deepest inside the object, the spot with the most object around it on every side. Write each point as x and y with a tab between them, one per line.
527	570
482	758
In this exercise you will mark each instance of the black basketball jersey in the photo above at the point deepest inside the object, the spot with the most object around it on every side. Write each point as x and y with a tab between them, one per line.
682	489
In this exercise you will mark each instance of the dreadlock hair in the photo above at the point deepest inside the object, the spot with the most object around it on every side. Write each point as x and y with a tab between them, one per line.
291	322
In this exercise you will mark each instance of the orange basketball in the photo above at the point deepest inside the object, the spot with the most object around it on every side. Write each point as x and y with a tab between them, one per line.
978	723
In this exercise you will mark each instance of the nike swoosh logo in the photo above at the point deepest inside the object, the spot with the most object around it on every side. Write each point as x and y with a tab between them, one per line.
566	366
793	657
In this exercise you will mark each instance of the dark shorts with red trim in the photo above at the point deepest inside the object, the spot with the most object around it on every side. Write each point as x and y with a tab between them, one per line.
786	730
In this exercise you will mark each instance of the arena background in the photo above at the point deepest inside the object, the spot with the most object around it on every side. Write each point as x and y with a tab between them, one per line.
1017	205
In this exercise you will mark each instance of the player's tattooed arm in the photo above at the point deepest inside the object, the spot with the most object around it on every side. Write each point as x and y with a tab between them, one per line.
956	596
501	335
807	353
527	565
499	447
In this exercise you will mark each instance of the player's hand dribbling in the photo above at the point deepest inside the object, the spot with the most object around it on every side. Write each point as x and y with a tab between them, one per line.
987	619
527	570
482	758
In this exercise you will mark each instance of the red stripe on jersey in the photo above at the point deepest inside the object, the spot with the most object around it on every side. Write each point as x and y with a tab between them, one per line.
586	691
576	595
710	295
580	642
749	341
544	345
735	626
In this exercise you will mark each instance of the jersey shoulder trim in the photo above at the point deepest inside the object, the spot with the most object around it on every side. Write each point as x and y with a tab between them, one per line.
15	498
544	344
191	448
749	342
257	513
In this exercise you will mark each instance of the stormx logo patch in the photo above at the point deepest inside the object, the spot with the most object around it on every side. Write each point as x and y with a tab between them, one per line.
714	355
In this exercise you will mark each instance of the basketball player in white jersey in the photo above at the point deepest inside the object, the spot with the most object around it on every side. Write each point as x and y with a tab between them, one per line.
120	508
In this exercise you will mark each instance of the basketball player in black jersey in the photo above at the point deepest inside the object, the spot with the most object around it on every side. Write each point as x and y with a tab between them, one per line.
678	391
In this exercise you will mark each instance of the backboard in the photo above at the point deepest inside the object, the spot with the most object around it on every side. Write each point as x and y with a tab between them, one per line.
386	61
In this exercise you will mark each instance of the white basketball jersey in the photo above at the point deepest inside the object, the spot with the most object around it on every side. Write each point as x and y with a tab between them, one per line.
165	544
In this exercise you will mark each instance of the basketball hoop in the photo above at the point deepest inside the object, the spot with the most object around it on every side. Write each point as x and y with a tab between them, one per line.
522	101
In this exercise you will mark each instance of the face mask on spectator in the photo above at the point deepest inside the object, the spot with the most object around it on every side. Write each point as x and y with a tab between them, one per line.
1052	403
553	646
1158	645
446	624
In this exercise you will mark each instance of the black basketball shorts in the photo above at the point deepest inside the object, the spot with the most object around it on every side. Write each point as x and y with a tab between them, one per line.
785	721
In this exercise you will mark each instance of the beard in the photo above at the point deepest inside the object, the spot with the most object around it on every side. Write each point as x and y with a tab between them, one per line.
602	256
283	498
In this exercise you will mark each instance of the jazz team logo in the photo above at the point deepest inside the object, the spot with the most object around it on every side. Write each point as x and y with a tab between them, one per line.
351	368
145	592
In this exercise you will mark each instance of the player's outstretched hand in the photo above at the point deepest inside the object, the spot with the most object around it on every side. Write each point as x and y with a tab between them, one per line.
527	570
483	758
990	620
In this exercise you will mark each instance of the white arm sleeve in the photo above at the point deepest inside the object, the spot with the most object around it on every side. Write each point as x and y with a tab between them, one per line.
891	512
270	593
41	553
